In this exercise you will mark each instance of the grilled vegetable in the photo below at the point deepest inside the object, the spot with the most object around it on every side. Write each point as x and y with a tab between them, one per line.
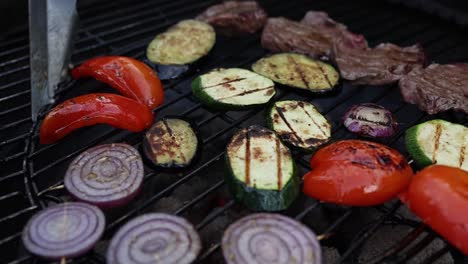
370	120
261	172
183	43
171	142
107	176
231	89
438	142
438	195
155	238
357	173
64	231
270	238
299	124
298	71
131	77
91	109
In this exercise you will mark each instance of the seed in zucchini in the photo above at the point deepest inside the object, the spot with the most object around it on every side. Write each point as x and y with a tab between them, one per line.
170	143
299	124
184	43
261	171
233	89
438	142
298	71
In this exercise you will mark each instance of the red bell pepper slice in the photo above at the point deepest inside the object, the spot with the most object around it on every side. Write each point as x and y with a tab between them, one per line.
131	77
90	109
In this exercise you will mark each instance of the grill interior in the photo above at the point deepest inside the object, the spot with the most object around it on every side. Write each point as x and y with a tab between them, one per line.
31	174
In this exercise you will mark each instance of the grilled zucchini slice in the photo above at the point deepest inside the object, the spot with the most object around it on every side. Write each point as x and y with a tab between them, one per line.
299	124
233	89
261	171
438	142
298	71
171	143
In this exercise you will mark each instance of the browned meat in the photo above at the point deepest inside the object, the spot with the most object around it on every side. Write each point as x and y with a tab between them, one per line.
232	17
437	88
284	35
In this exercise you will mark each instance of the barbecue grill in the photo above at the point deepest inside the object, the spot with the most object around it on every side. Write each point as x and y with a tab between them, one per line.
32	174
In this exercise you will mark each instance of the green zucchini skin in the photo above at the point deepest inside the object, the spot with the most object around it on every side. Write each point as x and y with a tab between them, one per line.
413	148
200	93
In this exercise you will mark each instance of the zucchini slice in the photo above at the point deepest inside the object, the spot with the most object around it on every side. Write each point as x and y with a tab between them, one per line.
299	124
298	71
438	142
261	171
233	89
171	143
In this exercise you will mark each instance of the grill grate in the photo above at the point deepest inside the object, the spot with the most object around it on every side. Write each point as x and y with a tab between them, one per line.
32	174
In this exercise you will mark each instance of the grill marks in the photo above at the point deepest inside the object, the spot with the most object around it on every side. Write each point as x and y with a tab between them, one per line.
247	158
436	141
223	83
246	92
313	121
281	114
299	71
462	155
278	163
175	141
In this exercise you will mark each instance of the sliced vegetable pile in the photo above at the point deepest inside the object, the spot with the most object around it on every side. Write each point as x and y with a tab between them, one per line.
357	173
170	143
299	124
63	231
298	71
370	120
155	238
438	142
270	238
233	89
261	170
107	175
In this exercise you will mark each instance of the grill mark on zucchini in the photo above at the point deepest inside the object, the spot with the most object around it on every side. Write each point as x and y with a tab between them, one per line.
281	114
226	82
247	158
245	92
299	71
313	120
278	163
169	130
436	141
324	75
462	156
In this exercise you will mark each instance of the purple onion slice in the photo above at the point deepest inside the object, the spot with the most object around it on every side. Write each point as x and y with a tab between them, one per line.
155	238
270	238
107	176
64	231
370	120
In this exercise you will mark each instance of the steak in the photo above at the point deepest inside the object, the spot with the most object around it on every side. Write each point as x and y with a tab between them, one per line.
437	88
234	18
284	35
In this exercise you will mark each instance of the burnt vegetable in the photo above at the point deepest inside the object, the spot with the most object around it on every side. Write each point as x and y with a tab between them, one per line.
171	143
270	238
370	120
108	175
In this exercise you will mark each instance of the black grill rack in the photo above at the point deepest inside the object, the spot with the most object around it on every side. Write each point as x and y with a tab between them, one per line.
31	174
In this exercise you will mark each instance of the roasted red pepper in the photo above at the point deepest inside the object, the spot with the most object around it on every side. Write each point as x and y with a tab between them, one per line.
90	109
357	173
131	77
439	196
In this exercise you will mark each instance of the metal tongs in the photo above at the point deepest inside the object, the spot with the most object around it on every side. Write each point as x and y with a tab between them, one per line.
51	32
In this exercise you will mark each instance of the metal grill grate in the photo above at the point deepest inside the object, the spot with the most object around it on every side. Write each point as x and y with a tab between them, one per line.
32	174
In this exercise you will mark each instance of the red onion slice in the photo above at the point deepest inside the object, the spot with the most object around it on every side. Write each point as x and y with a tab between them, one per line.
155	238
270	238
370	120
64	230
107	175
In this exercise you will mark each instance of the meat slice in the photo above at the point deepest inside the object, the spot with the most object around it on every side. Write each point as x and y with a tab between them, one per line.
233	18
437	88
284	35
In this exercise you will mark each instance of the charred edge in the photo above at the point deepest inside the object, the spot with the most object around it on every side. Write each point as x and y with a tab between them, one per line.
259	132
278	163
281	114
247	158
313	121
226	82
171	134
354	116
462	155
299	71
436	142
246	92
324	75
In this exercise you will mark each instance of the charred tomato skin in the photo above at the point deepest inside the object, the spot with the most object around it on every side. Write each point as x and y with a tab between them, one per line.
438	194
357	173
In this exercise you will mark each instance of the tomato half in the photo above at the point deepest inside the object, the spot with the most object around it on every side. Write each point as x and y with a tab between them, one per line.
357	173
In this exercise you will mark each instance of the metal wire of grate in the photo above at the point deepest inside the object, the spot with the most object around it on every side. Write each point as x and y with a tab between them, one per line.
32	174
